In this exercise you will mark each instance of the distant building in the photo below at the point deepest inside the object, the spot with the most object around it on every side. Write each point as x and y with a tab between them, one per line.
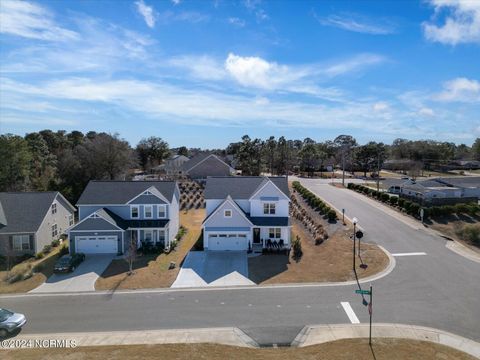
204	165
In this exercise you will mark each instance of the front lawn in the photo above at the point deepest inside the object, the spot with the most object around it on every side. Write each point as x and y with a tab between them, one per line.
358	349
39	269
151	271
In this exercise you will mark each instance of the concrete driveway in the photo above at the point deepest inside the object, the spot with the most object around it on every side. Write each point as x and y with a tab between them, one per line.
213	268
82	279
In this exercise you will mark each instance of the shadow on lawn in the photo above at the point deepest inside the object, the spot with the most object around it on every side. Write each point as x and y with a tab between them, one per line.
120	266
264	267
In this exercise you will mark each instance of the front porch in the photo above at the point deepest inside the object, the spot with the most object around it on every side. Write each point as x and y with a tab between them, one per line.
270	238
151	237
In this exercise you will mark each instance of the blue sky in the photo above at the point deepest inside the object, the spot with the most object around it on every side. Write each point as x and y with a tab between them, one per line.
204	73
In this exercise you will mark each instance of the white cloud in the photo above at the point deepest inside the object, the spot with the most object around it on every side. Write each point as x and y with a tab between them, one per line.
26	19
200	67
380	106
353	64
176	2
356	23
427	112
461	24
460	89
236	21
147	12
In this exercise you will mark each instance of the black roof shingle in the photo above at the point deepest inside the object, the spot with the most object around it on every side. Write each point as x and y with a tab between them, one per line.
240	187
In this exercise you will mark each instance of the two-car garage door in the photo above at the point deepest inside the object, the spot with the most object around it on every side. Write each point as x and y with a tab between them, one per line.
96	244
227	241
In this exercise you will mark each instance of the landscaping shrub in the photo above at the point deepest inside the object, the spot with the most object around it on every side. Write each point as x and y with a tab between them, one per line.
332	215
393	200
63	250
470	232
39	255
461	208
385	197
406	205
173	245
473	209
401	202
47	249
55	243
14	278
297	248
414	209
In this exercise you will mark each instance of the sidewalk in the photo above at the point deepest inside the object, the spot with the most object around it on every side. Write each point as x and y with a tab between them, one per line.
310	335
319	334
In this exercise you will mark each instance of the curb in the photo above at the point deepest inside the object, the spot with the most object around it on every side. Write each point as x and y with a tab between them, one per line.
318	334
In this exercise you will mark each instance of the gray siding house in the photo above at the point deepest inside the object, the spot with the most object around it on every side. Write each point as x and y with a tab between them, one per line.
31	220
204	165
112	214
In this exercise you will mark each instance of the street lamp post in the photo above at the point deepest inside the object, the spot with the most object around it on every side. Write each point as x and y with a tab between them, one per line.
354	221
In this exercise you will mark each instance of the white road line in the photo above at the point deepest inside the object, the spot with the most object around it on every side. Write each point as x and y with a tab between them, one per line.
350	313
410	254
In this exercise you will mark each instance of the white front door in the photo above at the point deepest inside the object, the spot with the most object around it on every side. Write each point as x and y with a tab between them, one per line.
227	242
96	244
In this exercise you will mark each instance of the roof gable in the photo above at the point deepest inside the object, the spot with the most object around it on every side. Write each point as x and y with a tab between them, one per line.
238	218
100	220
199	159
268	189
121	192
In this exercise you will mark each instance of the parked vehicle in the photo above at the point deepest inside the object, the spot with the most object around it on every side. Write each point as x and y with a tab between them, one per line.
68	263
10	321
394	189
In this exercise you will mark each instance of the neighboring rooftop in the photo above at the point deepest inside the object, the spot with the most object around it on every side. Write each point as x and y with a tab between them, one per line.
196	160
240	187
24	211
120	192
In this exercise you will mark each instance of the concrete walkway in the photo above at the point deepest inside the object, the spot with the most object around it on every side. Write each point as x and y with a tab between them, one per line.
310	335
80	280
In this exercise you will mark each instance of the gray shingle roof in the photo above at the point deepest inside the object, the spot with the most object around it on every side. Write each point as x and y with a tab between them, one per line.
25	211
188	165
269	221
240	187
120	192
125	224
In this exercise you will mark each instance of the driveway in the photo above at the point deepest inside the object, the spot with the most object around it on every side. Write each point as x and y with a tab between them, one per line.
82	279
213	268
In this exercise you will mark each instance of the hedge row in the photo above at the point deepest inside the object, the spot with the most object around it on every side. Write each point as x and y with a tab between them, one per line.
412	207
315	202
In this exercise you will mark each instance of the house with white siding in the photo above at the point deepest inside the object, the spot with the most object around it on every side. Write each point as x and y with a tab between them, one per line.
246	212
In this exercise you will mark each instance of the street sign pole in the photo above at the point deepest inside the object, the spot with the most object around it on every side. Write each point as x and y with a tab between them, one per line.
354	238
343	216
370	310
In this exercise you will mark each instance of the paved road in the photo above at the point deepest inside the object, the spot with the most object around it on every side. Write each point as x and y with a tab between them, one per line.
439	290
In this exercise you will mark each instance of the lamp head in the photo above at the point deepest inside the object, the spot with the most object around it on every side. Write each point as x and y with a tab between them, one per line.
355	221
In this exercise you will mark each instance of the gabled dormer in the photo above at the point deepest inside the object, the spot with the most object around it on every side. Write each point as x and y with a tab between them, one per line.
268	200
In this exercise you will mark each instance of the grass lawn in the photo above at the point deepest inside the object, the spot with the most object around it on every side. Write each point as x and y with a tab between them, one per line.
151	271
351	349
36	280
329	261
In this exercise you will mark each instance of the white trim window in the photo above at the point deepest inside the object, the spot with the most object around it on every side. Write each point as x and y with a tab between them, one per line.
275	233
227	213
162	211
21	242
134	211
148	236
54	208
148	211
269	208
161	236
70	219
54	230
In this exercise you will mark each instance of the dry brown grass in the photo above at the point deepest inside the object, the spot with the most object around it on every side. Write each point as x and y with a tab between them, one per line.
351	349
152	271
330	261
450	225
36	280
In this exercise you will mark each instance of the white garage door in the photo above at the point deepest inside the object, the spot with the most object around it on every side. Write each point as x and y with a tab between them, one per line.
227	242
96	244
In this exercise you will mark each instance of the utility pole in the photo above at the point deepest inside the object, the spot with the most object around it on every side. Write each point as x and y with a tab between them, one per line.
370	311
343	167
354	220
378	173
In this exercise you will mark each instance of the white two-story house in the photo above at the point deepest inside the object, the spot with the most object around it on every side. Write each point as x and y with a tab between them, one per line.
246	212
113	213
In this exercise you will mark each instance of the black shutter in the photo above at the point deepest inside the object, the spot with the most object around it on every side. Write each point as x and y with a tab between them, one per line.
32	245
10	242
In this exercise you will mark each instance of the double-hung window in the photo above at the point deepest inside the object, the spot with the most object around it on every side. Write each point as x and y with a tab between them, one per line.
70	220
148	211
21	242
274	233
134	212
54	208
269	208
162	211
54	230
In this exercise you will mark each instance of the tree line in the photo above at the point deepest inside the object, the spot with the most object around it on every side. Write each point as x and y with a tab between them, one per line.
66	161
